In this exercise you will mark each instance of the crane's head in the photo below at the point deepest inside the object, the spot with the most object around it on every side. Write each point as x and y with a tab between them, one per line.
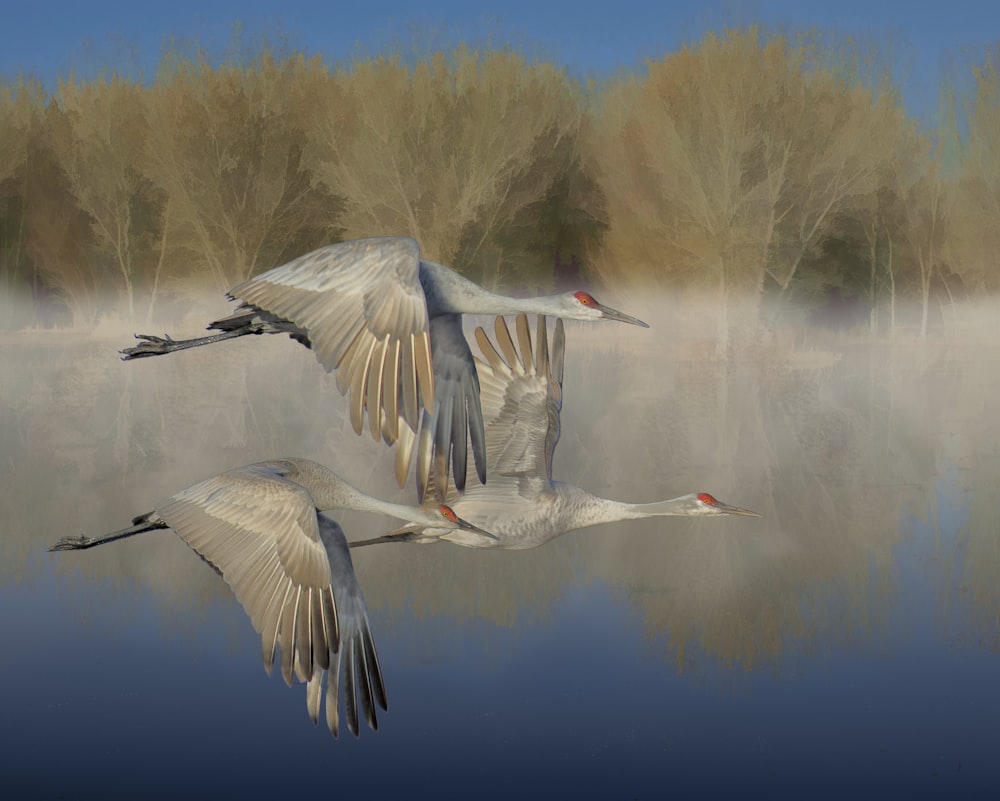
703	504
445	517
583	306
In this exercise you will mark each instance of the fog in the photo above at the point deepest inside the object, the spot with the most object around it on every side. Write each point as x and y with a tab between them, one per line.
873	464
856	623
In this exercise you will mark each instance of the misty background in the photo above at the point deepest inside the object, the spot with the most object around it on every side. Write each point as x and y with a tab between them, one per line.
844	451
817	264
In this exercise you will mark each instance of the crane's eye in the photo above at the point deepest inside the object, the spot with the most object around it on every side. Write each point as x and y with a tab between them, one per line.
585	299
448	514
704	497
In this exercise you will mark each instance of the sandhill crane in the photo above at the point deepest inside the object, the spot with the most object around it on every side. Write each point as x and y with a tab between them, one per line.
390	324
521	505
290	568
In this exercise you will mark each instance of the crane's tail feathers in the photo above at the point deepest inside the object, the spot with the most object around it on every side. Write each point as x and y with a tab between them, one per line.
140	525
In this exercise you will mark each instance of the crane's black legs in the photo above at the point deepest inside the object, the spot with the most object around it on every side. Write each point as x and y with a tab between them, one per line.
140	525
155	346
400	535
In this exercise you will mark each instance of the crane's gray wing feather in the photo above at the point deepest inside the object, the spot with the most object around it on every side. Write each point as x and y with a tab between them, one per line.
259	530
554	406
363	683
362	308
456	410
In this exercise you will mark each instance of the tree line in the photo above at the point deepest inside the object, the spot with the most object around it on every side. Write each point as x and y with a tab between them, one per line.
775	170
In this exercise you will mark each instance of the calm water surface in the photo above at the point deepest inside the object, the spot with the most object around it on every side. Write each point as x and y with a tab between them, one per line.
846	643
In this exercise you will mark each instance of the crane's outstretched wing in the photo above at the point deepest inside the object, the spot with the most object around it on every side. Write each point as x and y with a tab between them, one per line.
359	305
520	389
521	398
521	392
456	410
260	531
363	684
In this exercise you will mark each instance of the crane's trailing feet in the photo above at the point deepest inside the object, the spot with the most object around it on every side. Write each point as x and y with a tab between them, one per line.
150	345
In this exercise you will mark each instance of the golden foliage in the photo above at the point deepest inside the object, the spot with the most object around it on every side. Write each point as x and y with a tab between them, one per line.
225	147
448	151
99	149
730	159
736	166
974	233
19	107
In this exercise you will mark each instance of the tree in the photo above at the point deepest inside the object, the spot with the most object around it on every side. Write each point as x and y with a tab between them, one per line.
974	238
59	237
100	151
728	162
225	148
452	151
21	106
926	215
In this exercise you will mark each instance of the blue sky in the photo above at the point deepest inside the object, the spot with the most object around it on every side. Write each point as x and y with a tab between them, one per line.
49	39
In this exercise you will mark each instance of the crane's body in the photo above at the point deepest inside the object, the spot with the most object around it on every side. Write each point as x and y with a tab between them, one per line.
521	504
389	322
538	514
262	527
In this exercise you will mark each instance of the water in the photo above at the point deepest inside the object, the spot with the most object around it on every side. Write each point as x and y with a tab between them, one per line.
846	643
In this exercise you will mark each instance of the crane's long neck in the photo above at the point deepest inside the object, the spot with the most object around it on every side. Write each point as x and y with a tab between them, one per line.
581	509
347	497
330	491
447	292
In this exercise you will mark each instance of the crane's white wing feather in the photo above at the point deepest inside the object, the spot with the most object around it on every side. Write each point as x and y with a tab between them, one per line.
363	309
260	531
521	394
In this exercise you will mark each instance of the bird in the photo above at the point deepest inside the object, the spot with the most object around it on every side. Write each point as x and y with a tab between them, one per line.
390	324
522	505
263	529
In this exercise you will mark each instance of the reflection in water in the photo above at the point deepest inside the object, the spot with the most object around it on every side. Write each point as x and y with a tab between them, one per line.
870	584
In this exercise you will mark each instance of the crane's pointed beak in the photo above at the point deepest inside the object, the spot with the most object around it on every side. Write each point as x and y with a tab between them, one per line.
726	509
470	527
607	313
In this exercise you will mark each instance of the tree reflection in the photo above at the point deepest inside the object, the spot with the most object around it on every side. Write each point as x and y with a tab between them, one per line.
838	447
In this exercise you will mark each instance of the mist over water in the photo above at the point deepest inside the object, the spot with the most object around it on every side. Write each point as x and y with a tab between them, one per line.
857	623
